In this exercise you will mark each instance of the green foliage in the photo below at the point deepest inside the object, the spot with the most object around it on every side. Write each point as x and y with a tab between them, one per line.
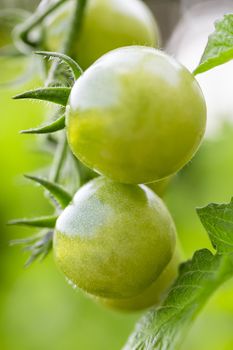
38	245
54	126
75	68
56	191
44	221
198	279
219	49
218	222
58	95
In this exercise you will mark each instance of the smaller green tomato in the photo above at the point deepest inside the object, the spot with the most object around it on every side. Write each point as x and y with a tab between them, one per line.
107	25
114	240
151	296
136	115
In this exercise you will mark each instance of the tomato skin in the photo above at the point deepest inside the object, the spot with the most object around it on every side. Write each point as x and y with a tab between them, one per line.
107	25
114	240
151	296
136	116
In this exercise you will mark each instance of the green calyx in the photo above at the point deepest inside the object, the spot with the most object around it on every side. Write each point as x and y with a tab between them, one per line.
58	95
40	244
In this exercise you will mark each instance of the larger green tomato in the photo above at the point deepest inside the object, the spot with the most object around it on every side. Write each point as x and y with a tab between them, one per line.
151	296
136	115
114	240
107	25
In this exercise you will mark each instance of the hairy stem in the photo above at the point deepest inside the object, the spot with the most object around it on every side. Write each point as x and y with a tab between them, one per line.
21	32
73	34
58	160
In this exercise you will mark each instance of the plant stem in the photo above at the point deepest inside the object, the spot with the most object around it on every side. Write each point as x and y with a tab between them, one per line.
75	28
58	161
21	31
73	34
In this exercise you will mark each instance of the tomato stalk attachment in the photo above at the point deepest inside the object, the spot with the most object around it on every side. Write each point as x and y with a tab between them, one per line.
73	65
60	195
44	221
38	245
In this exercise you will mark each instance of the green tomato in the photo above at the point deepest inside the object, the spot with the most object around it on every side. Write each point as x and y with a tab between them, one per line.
151	296
107	25
136	115
114	239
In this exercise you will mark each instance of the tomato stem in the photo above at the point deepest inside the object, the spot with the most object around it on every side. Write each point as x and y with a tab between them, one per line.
58	161
21	31
74	32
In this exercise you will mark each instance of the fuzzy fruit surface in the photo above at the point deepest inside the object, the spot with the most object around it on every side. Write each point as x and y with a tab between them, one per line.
151	296
136	115
107	25
114	240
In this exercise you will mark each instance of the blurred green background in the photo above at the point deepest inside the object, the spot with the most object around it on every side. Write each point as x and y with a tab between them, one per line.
38	309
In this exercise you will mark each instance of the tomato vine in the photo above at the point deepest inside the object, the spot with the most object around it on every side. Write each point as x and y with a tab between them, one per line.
115	238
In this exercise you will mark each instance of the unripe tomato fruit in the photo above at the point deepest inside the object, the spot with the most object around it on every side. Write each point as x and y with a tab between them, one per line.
136	115
114	239
151	296
107	25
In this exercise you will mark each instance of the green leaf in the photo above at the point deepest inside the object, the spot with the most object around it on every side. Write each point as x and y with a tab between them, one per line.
54	126
38	245
44	221
218	222
165	327
75	68
219	49
57	95
57	191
